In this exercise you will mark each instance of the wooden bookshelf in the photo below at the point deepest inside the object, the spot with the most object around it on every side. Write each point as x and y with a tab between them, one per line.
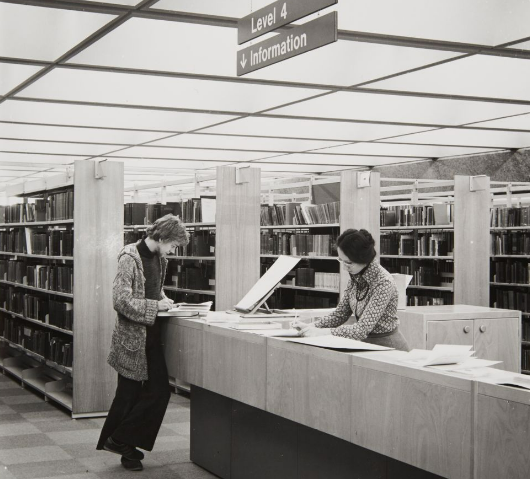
184	290
87	388
307	288
33	288
192	258
428	227
326	258
433	288
515	285
397	256
294	227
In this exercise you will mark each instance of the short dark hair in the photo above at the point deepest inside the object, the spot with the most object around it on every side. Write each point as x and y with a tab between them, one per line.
357	245
167	229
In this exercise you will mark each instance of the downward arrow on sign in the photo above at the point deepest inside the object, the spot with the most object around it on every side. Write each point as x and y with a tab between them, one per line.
243	62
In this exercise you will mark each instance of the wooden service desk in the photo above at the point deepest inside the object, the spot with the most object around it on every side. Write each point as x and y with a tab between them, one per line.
270	408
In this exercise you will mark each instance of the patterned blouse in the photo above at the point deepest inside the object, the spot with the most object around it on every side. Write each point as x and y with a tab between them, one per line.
372	297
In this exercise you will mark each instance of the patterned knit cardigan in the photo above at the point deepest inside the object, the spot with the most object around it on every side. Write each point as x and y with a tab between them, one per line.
127	352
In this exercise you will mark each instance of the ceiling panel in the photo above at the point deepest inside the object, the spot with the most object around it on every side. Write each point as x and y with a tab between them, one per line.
198	140
329	130
522	46
155	45
221	8
521	122
147	90
24	158
479	75
45	147
425	151
348	63
110	117
44	33
131	3
191	154
336	160
11	75
471	21
169	164
89	135
399	108
452	136
295	168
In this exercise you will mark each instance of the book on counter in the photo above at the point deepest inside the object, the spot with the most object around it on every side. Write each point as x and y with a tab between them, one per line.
190	309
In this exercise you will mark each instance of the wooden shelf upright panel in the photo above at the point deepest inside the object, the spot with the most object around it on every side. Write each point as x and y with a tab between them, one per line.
237	262
359	208
98	215
472	242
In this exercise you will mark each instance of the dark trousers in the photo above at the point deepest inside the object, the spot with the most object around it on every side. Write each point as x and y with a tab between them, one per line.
138	408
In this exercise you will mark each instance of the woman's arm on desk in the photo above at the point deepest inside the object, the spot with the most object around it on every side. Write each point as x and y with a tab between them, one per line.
340	315
372	314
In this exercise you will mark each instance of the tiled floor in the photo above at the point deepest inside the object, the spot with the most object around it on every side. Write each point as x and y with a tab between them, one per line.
40	440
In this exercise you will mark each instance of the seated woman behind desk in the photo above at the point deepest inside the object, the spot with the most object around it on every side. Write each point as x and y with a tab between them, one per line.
371	296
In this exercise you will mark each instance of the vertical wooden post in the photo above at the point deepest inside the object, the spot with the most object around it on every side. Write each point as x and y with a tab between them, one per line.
472	242
359	209
237	259
98	238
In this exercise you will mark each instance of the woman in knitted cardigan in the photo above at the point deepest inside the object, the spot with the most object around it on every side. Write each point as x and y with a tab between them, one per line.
136	351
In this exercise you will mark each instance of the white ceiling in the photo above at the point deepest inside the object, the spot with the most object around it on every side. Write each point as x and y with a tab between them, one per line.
153	84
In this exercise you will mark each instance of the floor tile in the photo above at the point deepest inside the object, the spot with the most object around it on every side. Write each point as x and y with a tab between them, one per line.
5	409
82	451
102	462
190	471
182	429
66	425
177	415
25	440
11	418
26	455
73	476
14	391
171	443
21	398
4	385
150	471
18	429
85	436
48	414
165	458
38	470
40	406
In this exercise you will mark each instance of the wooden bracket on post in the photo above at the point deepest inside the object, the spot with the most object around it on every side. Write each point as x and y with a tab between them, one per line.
163	193
414	198
478	183
98	170
363	179
239	180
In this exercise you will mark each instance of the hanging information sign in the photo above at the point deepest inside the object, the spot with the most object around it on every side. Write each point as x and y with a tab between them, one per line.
300	39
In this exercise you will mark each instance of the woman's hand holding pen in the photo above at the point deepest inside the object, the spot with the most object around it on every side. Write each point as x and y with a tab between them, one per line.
165	304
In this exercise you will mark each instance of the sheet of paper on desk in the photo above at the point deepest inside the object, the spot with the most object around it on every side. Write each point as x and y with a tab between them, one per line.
277	333
336	342
518	381
467	365
440	354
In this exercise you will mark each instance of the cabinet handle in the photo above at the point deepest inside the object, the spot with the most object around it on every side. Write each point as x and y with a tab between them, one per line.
482	329
467	329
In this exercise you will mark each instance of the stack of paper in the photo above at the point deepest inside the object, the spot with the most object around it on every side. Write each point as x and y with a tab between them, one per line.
254	325
194	309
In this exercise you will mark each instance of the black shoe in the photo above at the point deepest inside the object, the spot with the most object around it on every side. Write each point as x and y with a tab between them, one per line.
131	464
124	450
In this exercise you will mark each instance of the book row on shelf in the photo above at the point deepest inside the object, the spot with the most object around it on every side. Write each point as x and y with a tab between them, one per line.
431	273
507	216
44	343
525	331
510	242
510	271
287	298
510	298
300	214
49	242
190	297
424	215
58	313
298	244
191	275
50	277
525	359
192	210
310	278
202	242
430	298
49	207
417	243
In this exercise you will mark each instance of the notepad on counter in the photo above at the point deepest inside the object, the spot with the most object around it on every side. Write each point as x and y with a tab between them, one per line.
201	309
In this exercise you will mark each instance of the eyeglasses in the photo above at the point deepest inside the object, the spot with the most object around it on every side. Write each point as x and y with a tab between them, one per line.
346	263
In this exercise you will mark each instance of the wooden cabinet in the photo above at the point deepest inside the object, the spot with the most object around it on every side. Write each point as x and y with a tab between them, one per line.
493	333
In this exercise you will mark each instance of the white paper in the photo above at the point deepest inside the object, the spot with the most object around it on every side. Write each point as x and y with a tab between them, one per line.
468	364
277	333
267	282
337	342
440	354
402	281
208	206
255	325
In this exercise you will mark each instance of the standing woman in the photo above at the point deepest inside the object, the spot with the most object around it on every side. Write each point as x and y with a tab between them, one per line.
371	297
136	351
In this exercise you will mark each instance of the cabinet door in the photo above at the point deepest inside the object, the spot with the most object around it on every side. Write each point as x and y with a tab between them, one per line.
498	339
449	332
